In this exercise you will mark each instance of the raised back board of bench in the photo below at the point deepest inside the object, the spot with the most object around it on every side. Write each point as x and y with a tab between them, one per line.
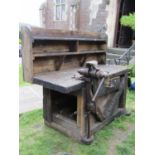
47	50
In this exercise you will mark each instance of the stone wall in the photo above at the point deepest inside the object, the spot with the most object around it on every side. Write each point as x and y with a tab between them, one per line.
111	21
84	15
93	15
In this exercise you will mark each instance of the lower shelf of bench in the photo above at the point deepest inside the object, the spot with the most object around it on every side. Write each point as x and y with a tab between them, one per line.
70	128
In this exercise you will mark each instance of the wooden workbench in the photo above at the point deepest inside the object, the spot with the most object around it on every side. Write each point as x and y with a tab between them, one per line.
64	87
67	81
52	58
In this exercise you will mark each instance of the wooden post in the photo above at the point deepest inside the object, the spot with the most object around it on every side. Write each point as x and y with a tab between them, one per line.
123	96
80	113
47	104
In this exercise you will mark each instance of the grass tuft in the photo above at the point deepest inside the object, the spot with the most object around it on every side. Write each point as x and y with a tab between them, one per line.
37	139
127	147
21	80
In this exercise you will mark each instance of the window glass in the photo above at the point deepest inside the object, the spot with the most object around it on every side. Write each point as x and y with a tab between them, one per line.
60	9
58	12
58	1
63	11
62	1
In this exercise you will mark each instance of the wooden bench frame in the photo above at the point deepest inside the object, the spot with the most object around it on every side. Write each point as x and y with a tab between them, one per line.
47	52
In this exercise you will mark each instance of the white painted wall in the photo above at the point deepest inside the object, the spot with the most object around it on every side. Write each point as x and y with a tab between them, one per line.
94	6
72	21
111	21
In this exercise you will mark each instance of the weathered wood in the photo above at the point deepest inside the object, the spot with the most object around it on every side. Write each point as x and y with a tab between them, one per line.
27	55
40	32
41	47
69	38
48	64
50	47
51	54
73	133
63	81
81	113
92	46
52	59
77	129
66	81
47	104
100	125
65	122
123	96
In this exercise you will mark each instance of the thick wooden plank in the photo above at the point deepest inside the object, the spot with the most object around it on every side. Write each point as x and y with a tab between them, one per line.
47	104
100	125
52	54
42	65
74	133
35	38
92	46
81	113
66	81
55	47
48	64
123	96
27	55
65	122
63	81
41	32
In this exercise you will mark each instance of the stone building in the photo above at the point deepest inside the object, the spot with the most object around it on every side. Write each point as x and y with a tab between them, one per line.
90	15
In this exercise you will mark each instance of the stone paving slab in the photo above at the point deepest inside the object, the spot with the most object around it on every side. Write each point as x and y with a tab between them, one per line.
30	98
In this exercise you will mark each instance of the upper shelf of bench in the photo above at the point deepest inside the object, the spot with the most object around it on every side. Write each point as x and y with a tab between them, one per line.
48	54
38	38
48	50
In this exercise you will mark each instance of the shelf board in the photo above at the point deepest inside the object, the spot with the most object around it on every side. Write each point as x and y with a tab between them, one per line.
50	54
35	38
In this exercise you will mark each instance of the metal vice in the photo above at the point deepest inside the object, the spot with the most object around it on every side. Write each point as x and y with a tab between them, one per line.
100	84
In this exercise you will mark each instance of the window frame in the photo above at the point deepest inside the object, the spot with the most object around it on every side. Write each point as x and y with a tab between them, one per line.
61	5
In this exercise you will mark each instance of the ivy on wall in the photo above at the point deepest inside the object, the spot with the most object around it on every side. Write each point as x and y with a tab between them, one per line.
128	20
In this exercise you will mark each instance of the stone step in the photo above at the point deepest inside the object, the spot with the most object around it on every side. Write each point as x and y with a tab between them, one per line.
115	56
112	62
119	51
112	56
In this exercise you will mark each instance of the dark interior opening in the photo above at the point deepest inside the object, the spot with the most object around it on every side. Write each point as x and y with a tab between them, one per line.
65	105
124	35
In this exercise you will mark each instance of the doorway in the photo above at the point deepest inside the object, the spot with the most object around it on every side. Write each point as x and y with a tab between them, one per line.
124	35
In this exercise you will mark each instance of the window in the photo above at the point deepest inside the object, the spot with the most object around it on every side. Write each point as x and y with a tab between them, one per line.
60	10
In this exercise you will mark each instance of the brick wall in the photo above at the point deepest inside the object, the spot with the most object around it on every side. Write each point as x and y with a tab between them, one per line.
93	15
50	16
88	15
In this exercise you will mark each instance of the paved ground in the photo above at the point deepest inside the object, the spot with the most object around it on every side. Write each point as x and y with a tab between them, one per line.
30	98
20	60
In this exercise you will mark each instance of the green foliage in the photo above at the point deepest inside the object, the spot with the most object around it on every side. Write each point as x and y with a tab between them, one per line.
130	100
128	21
132	70
128	146
20	41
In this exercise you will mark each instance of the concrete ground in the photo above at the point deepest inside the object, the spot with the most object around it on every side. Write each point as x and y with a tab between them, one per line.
20	60
30	98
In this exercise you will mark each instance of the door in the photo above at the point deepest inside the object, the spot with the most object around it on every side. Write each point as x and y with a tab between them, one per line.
124	35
